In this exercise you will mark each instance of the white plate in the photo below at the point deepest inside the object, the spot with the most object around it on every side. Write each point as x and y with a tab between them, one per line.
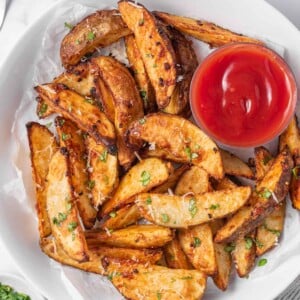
18	230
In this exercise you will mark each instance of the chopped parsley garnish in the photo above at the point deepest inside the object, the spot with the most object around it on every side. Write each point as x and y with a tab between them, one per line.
196	242
43	109
145	178
103	156
68	25
91	36
65	136
59	218
229	248
266	193
191	155
8	293
144	95
274	231
193	209
148	200
262	262
214	206
295	171
77	42
89	100
112	275
248	243
113	214
258	243
142	121
48	125
90	184
165	218
72	226
61	122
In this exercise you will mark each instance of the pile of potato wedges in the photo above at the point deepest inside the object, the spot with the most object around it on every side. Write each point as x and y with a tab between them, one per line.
127	186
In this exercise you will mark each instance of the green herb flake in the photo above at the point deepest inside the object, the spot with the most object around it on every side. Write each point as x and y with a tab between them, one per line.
158	295
262	262
72	226
69	206
193	209
214	206
141	22
142	121
145	178
89	100
266	160
143	95
274	231
248	243
90	184
62	217
112	275
48	125
91	36
165	218
266	193
103	156
258	243
68	25
148	200
113	214
229	248
43	109
65	136
61	122
77	42
8	293
55	221
295	171
191	155
196	242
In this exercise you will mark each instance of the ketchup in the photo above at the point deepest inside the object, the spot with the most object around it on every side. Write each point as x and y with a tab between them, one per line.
243	95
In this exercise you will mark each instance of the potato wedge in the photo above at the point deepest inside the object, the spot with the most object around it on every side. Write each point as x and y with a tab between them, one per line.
195	180
135	236
155	48
179	139
71	138
140	178
138	281
207	32
184	211
269	232
103	171
175	257
233	165
197	243
42	144
99	29
63	213
127	102
140	75
263	160
270	191
121	218
75	107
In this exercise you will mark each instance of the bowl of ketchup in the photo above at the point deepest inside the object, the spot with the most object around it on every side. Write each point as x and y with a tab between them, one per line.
243	95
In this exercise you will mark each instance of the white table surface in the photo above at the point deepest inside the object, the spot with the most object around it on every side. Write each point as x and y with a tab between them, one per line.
21	13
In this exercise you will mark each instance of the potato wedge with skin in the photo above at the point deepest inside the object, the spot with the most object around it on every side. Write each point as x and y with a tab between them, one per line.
263	160
195	180
155	48
184	211
135	236
99	29
42	144
270	191
175	257
63	213
179	139
207	32
138	281
233	165
197	243
140	75
140	178
87	116
71	138
122	218
103	171
127	102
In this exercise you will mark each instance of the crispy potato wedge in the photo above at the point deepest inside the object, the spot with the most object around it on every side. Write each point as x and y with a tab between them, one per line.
55	252
197	243
87	116
263	160
123	217
140	178
195	180
140	74
155	48
63	213
127	102
171	181
103	171
243	254
42	144
179	139
184	211
99	29
135	236
71	138
175	257
233	165
269	232
207	32
138	281
270	191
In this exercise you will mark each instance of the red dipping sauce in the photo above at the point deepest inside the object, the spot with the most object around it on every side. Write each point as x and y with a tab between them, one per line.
243	95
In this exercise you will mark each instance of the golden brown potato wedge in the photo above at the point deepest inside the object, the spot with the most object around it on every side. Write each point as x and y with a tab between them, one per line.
63	213
121	218
140	75
233	165
71	138
138	281
270	191
155	48
127	102
54	251
140	178
207	32
175	257
263	160
184	211
135	236
42	145
171	181
99	29
179	140
103	171
195	180
197	243
87	116
269	232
